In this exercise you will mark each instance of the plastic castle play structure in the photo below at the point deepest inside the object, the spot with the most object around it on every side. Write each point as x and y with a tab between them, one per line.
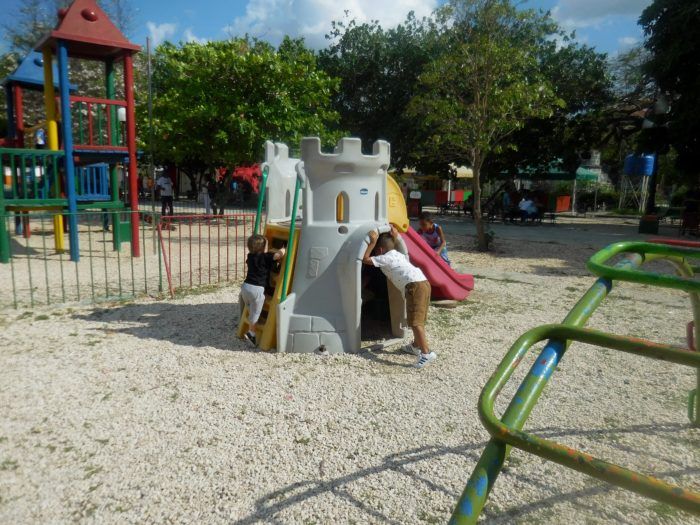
86	137
315	301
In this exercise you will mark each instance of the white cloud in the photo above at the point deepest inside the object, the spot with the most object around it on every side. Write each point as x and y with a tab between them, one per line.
160	32
627	40
189	36
574	14
272	19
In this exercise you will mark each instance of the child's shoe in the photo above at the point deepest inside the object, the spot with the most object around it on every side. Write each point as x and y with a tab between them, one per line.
410	349
251	337
424	359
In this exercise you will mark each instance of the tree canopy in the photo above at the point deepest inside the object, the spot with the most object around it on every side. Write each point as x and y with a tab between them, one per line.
378	71
216	103
484	87
673	40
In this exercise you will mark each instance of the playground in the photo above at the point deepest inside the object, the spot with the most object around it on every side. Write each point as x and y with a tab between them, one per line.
143	380
156	411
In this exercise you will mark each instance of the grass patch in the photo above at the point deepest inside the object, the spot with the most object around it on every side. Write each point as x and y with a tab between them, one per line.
663	509
8	464
302	440
91	471
426	517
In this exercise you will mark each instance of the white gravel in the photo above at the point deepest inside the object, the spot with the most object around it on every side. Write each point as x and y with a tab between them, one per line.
153	412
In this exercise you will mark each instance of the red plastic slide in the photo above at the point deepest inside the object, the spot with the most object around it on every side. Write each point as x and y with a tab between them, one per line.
445	282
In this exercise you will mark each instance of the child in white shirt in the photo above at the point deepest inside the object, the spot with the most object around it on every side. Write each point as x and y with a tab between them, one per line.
412	283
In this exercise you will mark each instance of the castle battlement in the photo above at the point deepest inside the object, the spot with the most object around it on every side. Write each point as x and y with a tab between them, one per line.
277	151
347	158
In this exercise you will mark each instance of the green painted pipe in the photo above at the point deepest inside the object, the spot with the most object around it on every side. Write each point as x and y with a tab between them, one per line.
290	240
261	198
596	264
491	461
636	482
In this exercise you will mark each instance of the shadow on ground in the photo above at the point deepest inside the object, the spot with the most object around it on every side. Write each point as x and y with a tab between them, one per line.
268	506
197	325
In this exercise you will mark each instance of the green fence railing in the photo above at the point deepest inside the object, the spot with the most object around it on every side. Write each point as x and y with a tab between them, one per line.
506	432
34	175
37	274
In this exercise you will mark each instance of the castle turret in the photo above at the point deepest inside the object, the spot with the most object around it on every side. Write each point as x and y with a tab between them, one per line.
344	197
281	181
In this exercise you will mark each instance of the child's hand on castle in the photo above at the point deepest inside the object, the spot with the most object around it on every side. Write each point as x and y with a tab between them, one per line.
373	236
394	232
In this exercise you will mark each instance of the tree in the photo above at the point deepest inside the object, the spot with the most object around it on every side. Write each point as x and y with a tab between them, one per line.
378	71
216	103
672	40
580	78
485	87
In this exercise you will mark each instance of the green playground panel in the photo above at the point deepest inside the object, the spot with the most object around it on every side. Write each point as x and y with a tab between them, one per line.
506	432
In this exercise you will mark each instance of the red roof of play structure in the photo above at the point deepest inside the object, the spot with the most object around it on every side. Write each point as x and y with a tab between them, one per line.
89	32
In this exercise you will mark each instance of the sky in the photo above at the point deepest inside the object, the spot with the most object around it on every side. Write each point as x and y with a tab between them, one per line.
608	25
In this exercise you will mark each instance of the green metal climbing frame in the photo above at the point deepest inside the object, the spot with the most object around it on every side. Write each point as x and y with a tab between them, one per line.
506	432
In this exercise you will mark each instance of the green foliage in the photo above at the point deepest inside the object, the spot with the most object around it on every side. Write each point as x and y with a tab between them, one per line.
630	81
485	86
673	40
580	78
216	103
487	83
378	71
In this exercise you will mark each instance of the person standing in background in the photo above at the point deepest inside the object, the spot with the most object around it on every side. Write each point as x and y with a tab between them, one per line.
165	186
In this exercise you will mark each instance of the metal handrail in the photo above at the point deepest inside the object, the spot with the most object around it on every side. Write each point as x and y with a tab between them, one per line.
491	462
292	227
569	457
261	198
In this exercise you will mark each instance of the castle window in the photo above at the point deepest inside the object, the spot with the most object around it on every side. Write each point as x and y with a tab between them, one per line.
287	204
376	206
342	208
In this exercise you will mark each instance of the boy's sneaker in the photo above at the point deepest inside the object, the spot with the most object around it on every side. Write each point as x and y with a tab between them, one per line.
251	337
410	349
424	359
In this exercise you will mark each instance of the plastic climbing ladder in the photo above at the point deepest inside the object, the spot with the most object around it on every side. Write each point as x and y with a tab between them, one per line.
278	236
506	432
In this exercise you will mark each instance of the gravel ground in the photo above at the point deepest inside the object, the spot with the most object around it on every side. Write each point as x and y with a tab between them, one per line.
154	412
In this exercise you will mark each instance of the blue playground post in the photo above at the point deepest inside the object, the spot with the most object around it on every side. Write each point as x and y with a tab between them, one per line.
67	129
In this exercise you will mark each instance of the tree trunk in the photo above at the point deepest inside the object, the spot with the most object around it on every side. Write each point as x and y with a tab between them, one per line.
482	241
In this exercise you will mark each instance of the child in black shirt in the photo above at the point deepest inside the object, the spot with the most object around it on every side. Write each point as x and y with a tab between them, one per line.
259	264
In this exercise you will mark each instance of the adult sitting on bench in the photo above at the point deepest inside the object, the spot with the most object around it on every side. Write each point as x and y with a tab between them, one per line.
528	209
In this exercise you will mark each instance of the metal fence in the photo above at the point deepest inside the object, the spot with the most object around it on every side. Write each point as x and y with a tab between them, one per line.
178	252
203	250
185	206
